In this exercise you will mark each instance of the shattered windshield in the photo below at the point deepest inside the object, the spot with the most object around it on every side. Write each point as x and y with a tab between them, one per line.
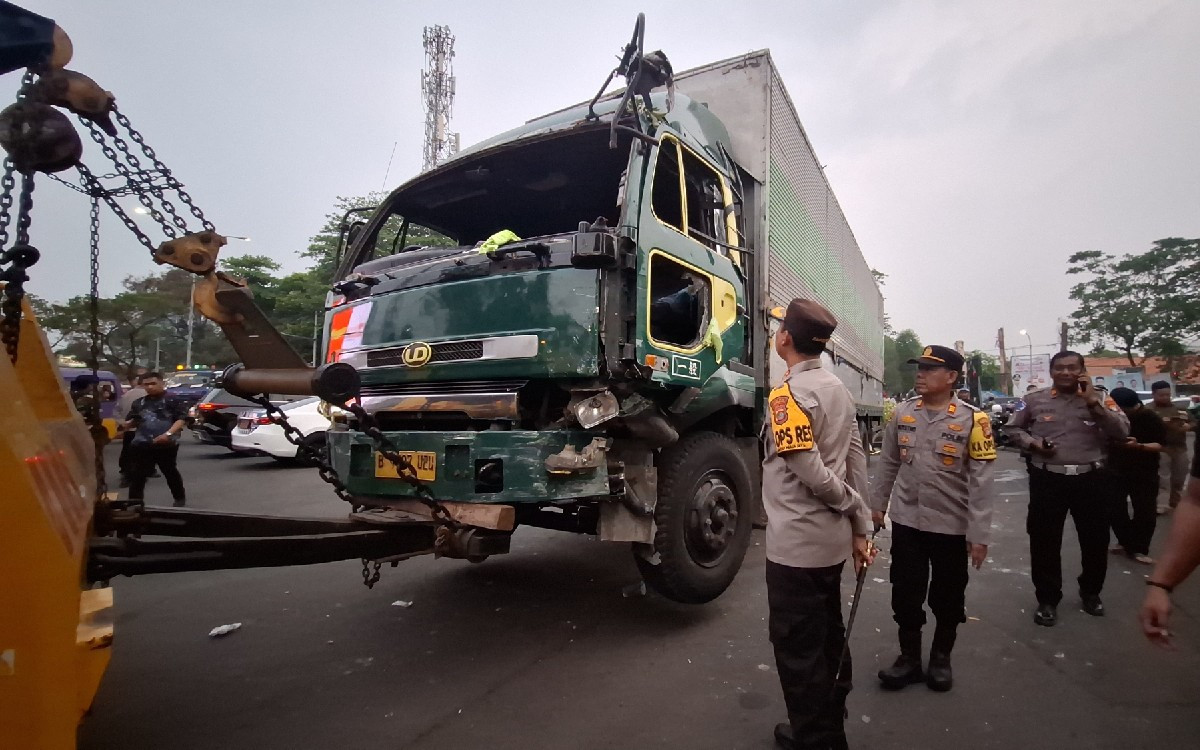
545	186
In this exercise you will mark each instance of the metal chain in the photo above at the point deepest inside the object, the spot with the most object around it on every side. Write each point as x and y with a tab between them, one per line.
94	188
135	166
25	208
404	469
95	419
19	258
370	574
296	438
7	184
172	183
131	180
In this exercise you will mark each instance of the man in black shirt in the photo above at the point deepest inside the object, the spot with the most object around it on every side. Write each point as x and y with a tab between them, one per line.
1135	476
158	419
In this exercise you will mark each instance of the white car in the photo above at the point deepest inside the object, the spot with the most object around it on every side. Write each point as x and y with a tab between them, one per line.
260	435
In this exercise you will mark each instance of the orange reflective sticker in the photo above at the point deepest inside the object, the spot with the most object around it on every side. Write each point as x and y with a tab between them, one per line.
790	426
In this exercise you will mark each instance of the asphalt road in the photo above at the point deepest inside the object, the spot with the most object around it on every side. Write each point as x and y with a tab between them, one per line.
542	649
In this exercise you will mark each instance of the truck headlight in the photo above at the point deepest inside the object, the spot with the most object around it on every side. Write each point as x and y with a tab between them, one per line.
596	409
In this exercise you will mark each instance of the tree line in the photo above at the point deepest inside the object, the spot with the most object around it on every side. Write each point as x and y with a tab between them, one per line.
147	321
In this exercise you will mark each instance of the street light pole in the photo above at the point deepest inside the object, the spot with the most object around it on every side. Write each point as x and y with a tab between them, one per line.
191	321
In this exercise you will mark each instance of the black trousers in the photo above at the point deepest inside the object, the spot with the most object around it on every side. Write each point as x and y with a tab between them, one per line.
123	460
933	565
1051	497
807	631
143	459
1134	534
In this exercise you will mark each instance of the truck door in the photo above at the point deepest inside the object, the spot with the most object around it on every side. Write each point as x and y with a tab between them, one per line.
688	289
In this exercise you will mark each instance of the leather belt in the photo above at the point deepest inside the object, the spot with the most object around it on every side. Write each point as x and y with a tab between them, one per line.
1070	470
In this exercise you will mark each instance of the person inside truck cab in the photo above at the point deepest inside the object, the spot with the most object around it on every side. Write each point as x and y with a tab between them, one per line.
675	316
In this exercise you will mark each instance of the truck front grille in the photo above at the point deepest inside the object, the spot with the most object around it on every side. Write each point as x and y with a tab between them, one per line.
447	351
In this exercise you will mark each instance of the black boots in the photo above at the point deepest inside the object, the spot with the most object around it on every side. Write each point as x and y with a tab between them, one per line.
907	669
939	677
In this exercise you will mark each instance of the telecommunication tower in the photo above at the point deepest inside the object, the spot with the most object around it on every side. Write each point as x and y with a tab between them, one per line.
437	89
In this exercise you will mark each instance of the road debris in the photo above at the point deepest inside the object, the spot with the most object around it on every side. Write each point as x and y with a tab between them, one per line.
402	603
223	630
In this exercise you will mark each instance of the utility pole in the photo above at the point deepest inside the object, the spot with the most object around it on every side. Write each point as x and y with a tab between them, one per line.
1005	380
437	89
191	321
1062	336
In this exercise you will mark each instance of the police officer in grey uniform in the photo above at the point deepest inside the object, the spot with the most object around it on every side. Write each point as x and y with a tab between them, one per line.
814	490
936	476
1066	431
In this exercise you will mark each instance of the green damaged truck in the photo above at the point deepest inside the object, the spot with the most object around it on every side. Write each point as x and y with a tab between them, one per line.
586	345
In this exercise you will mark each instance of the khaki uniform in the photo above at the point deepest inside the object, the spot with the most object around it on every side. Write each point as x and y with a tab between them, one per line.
1080	435
937	467
936	475
1073	479
814	470
814	490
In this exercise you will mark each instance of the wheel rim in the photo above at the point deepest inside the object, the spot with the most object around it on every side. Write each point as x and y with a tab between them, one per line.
712	520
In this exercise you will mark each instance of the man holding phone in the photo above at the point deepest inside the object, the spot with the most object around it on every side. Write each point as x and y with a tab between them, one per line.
1066	431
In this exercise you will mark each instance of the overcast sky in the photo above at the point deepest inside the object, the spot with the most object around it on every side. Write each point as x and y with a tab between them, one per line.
974	146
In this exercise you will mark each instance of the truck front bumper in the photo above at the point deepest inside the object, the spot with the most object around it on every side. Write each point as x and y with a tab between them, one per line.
492	466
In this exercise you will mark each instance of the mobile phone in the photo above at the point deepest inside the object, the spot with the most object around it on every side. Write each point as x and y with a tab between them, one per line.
1084	384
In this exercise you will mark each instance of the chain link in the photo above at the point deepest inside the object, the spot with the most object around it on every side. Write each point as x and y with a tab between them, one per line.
370	573
25	208
7	184
19	258
131	179
93	188
95	418
172	183
404	468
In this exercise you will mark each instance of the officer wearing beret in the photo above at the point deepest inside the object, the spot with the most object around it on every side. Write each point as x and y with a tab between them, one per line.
814	489
1066	430
936	476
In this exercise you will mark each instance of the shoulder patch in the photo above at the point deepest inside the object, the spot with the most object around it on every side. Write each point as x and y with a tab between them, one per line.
982	443
791	428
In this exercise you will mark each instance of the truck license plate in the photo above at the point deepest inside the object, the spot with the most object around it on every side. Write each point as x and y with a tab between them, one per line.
425	462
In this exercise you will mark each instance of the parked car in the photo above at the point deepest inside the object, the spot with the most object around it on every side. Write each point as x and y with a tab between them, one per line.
259	434
214	417
189	386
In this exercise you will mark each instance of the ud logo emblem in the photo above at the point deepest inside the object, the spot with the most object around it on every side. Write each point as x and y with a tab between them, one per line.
417	354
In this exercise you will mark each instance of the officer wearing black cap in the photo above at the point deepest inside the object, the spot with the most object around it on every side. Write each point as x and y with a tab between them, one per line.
936	477
814	490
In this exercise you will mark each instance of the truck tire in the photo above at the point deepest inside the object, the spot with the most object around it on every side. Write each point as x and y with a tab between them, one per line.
702	519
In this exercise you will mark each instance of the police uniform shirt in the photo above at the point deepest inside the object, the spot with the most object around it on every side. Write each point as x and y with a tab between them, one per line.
1080	434
936	470
810	443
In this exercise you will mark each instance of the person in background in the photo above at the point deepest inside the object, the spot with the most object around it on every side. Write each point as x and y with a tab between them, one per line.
1134	468
1178	559
132	393
157	419
1066	431
1173	464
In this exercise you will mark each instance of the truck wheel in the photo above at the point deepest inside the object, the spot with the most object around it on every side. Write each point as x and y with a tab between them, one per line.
703	518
